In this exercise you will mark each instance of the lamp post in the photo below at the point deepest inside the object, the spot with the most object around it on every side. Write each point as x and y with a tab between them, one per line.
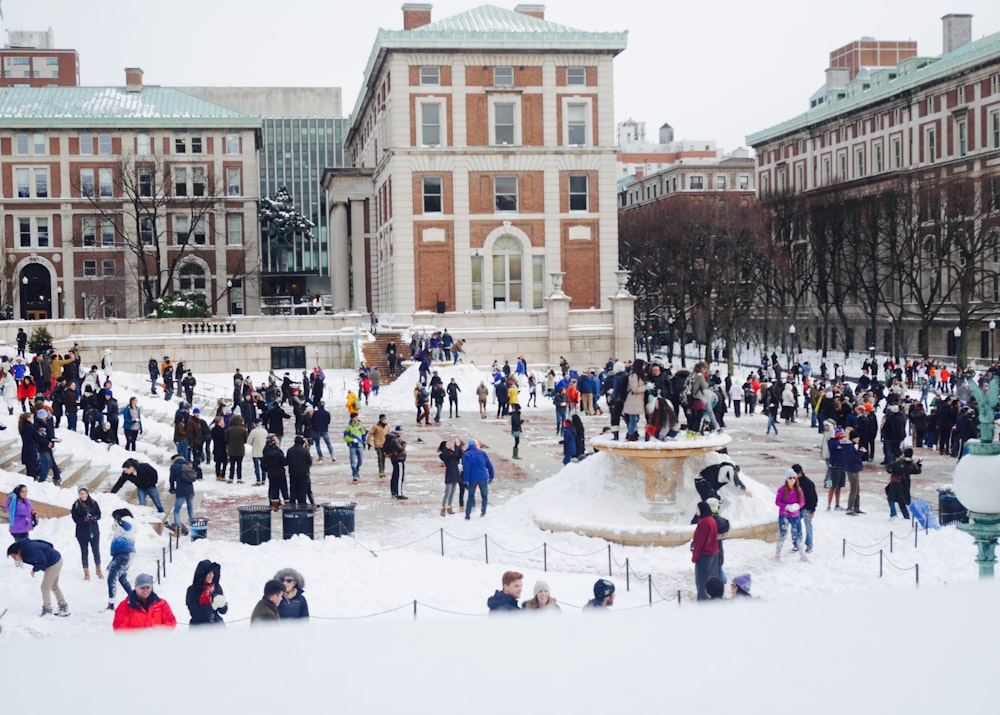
59	300
670	340
83	297
892	338
791	333
993	327
958	346
229	298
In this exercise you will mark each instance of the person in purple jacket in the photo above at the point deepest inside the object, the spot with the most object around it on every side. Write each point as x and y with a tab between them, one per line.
790	500
20	513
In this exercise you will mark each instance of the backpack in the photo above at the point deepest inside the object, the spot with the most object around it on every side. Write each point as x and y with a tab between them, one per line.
687	390
188	474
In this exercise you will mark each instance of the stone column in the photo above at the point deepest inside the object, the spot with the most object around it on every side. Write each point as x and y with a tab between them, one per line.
623	319
557	308
339	257
359	266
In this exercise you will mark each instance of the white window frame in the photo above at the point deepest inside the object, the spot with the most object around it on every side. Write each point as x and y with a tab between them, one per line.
30	176
28	144
859	162
90	269
577	193
877	166
587	106
197	144
720	180
189	275
234	181
108	267
696	182
107	232
37	226
105	145
88	231
87	144
515	103
182	229
962	137
147	230
441	125
425	194
744	182
576	76
144	185
105	183
497	193
87	176
143	144
995	128
232	144
930	142
897	153
507	290
995	84
503	76
199	234
430	75
234	230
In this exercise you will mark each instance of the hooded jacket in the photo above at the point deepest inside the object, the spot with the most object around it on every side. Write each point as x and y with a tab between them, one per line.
200	595
39	554
133	614
500	602
236	437
476	466
273	461
19	514
295	606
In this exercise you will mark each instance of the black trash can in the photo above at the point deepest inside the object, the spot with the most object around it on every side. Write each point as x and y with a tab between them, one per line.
950	509
199	529
255	524
297	519
338	519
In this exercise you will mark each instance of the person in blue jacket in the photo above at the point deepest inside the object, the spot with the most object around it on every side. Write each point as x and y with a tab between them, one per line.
506	599
478	472
42	556
568	441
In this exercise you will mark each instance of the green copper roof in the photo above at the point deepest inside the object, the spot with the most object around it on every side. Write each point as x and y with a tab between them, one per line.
113	107
910	77
492	28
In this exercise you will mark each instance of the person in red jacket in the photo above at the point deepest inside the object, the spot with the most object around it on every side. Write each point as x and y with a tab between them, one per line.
143	608
705	549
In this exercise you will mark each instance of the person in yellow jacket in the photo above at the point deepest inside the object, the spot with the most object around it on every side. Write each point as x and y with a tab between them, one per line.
353	404
354	436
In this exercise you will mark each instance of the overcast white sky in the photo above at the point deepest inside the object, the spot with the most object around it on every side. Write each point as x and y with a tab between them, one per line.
713	70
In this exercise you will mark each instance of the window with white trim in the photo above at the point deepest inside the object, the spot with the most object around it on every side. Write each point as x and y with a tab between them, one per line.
576	76
576	123
897	153
104	144
200	232
696	183
108	267
430	123
143	144
433	194
198	181
196	145
995	84
180	181
877	158
107	232
827	178
505	193
87	183
745	180
234	230
430	75
579	192
145	175
88	231
995	129
33	232
90	268
182	229
147	231
232	143
720	180
86	144
105	182
859	162
233	184
503	76
504	125
180	145
537	280
191	277
961	94
476	272
963	137
26	144
32	182
930	141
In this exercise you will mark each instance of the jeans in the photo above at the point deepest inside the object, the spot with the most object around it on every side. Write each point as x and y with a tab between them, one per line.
183	449
902	509
118	573
71	421
807	523
736	407
93	540
470	502
437	411
236	465
256	468
131	435
449	494
633	420
178	501
153	494
325	437
560	418
795	522
770	424
152	383
357	456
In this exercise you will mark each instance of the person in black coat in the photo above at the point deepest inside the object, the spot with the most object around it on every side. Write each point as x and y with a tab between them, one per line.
273	462
86	513
808	510
144	477
450	454
205	600
299	462
293	604
897	491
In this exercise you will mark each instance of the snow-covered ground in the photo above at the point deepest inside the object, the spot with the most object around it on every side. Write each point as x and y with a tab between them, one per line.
407	617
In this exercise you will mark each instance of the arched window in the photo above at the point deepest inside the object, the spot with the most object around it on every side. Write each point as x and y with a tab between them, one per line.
191	277
507	269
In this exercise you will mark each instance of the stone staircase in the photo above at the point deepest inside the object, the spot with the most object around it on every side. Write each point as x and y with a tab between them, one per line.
374	353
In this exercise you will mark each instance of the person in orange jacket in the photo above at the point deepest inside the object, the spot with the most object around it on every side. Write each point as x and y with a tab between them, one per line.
143	608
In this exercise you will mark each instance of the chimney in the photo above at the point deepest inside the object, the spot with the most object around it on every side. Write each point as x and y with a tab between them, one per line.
532	10
416	15
133	79
957	31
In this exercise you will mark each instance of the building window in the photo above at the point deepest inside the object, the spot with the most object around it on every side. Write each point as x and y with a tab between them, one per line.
200	231
930	105
86	144
143	144
232	143
90	268
196	145
233	181
182	229
32	183
477	282
507	265
961	94
191	277
745	182
42	232
145	181
24	232
39	143
180	181
897	153
146	231
107	232
433	198
25	144
104	144
87	183
503	123
180	145
430	124
931	142
503	76
234	230
537	280
576	124
696	183
720	181
782	180
843	167
859	163
505	193
430	75
826	171
108	267
198	181
878	159
963	138
578	193
104	177
576	76
995	129
995	84
88	231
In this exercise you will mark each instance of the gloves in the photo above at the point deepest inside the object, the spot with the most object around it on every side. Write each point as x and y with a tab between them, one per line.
219	602
792	508
490	481
171	491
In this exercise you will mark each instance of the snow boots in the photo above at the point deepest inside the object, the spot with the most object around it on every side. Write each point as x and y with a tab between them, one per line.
515	454
100	574
275	505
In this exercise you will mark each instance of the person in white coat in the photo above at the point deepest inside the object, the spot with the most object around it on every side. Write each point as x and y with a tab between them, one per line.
8	387
256	440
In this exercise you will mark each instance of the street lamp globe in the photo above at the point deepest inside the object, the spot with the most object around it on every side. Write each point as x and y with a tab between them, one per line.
791	329
993	325
958	332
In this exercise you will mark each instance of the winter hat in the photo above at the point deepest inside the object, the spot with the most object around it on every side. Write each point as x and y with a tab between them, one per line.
742	582
399	428
541	586
619	367
42	414
868	407
196	411
893	408
381	417
838	433
713	504
300	583
603	588
143	579
790	473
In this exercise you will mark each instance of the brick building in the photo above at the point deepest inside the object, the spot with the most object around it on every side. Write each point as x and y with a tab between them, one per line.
30	59
734	173
77	162
484	162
